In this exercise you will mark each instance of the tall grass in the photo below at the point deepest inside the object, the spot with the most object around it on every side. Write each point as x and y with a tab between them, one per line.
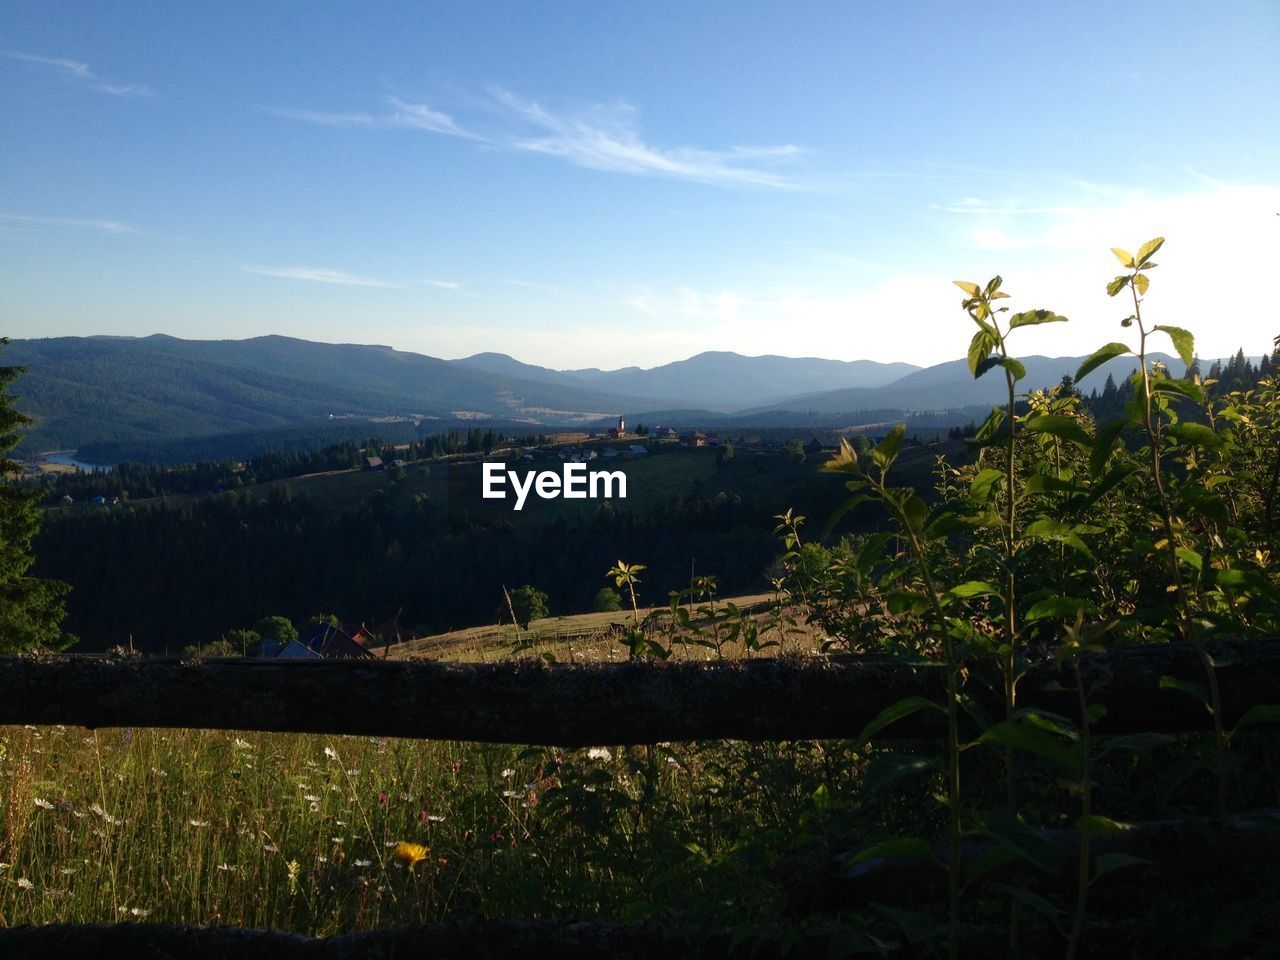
299	831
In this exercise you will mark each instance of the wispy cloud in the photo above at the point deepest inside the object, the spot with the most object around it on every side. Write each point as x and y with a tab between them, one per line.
105	226
80	72
318	275
596	136
606	138
443	284
401	113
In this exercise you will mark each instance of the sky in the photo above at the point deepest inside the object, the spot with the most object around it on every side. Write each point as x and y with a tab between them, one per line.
600	184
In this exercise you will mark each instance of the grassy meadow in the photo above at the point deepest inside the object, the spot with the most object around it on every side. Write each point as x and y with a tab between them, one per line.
308	833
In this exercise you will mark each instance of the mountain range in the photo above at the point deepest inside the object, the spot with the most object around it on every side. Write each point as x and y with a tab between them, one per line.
88	389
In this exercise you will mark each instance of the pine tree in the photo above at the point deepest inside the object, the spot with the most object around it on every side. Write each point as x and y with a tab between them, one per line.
31	609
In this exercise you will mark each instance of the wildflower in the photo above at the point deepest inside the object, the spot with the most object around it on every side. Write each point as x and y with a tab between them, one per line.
353	772
139	912
510	794
198	823
240	744
382	799
42	804
226	868
331	753
336	839
25	884
508	773
270	848
364	863
410	853
311	798
435	818
599	753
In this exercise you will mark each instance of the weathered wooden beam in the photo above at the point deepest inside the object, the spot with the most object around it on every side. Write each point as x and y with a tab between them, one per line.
533	702
508	939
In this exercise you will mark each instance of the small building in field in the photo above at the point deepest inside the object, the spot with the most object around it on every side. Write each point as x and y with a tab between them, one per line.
66	500
638	450
694	439
331	643
373	463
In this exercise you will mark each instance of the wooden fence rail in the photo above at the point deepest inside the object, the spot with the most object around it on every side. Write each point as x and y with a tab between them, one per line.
532	702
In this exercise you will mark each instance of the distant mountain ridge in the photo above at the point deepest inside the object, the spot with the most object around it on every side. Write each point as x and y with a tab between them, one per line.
716	380
135	389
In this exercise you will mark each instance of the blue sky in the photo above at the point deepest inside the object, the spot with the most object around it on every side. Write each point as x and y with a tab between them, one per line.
602	184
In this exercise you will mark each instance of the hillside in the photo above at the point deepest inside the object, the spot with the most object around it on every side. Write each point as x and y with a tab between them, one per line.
82	389
130	391
719	381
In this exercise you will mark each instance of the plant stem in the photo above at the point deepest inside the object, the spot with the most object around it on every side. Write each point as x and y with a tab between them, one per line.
1086	807
953	718
1186	624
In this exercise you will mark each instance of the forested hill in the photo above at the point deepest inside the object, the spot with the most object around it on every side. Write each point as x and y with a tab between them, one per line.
123	392
83	389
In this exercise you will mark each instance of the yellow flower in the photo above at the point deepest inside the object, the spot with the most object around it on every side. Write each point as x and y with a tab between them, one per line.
410	853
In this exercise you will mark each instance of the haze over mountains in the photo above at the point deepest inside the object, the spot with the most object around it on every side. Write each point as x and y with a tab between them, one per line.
87	389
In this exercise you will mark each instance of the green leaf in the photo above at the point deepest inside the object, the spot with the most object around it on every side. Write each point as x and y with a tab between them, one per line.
1195	433
1058	607
1056	425
888	768
1190	557
1141	282
1124	256
1009	363
1058	532
1103	444
886	451
979	348
1101	356
1115	286
984	484
1094	826
1148	250
1183	341
839	513
1025	736
1190	689
1261	713
1182	388
1103	486
1027	842
1032	318
873	551
890	714
973	588
971	289
1107	862
989	432
898	848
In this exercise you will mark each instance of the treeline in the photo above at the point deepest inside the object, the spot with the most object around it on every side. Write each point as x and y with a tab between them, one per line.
166	577
1238	373
135	481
